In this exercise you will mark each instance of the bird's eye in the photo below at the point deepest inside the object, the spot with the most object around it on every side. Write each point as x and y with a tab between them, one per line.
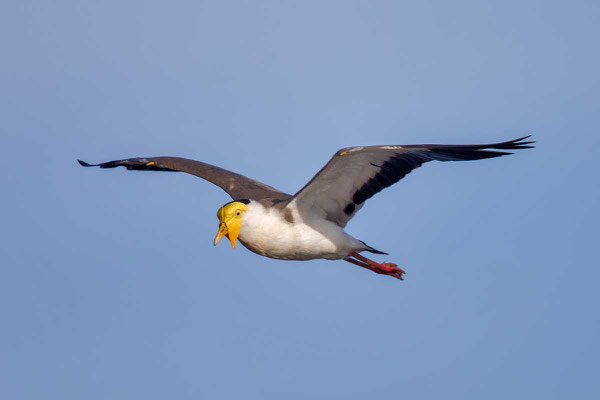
238	213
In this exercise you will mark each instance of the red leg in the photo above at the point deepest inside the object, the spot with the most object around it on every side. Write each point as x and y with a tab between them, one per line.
360	264
383	268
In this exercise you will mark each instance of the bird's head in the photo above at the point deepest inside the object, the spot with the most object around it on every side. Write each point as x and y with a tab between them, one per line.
230	220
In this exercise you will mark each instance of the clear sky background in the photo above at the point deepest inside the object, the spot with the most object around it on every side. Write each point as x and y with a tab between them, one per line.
111	287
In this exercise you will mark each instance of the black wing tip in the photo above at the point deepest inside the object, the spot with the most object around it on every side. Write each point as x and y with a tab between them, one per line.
471	152
514	144
138	164
110	164
84	164
480	152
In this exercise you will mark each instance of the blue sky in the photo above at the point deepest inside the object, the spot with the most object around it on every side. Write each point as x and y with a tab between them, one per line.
111	287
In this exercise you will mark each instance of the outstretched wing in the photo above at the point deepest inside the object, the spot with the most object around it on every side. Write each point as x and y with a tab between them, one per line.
236	185
355	174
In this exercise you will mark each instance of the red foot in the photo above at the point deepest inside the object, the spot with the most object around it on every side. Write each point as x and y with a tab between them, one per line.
383	268
389	269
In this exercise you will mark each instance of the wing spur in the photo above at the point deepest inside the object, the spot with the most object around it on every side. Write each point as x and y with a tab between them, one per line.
236	185
355	174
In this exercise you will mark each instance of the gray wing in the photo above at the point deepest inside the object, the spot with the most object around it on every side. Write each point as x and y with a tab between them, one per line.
236	185
355	174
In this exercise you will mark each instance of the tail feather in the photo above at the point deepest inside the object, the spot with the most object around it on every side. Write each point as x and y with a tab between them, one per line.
372	250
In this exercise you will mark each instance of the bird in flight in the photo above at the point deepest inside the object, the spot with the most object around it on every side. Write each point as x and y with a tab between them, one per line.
310	224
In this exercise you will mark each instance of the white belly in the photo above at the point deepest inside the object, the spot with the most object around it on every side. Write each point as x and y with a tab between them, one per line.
267	233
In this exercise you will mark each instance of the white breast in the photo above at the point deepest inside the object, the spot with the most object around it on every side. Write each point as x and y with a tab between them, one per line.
266	232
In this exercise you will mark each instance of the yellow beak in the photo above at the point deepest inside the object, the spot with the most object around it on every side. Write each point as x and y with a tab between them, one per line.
222	232
231	230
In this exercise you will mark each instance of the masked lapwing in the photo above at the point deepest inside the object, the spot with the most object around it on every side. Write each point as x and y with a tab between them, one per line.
310	224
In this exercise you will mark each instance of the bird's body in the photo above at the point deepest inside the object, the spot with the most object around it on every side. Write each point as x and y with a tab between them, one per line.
310	224
282	233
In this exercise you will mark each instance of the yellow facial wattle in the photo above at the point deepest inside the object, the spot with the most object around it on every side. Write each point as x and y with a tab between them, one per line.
230	221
